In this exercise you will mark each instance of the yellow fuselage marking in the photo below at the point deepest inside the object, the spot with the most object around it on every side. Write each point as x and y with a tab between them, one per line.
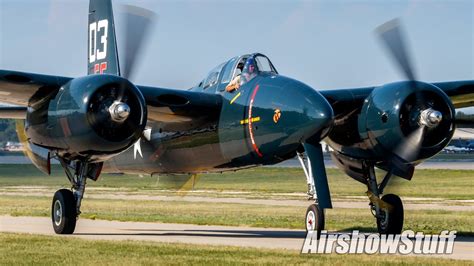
235	98
246	121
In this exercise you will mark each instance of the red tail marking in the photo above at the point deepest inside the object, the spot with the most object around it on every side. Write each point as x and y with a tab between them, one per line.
100	68
103	67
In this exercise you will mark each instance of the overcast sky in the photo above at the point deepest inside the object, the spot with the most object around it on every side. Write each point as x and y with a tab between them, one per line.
326	44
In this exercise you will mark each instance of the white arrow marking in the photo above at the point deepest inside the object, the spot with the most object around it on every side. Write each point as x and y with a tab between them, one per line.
137	148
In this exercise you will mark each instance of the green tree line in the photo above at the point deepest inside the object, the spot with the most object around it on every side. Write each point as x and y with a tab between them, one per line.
7	131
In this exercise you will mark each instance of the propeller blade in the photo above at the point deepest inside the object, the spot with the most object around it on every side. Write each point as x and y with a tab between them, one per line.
39	156
181	184
189	185
410	148
138	21
20	131
390	33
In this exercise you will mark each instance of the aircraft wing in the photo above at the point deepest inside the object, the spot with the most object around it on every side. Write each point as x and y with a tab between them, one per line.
176	107
164	105
344	101
18	87
460	92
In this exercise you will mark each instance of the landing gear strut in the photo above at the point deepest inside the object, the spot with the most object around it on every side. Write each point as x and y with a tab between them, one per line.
305	164
315	219
312	162
66	205
388	210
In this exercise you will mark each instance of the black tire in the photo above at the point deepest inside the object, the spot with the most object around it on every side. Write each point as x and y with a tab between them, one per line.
314	219
393	224
63	212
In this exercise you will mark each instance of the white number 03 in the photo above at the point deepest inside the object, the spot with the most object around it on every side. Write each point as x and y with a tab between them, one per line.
94	53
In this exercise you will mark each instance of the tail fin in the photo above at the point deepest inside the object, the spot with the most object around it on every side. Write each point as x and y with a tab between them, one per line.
102	45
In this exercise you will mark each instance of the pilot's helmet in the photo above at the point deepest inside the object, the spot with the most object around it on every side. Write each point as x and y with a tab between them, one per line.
249	66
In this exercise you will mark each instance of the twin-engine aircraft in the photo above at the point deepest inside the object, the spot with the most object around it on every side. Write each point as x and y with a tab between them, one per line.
243	114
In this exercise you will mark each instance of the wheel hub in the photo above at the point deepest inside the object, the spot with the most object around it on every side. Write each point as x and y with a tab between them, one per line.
383	219
58	213
310	221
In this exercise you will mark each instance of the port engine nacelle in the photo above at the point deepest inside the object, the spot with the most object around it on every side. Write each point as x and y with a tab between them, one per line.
90	118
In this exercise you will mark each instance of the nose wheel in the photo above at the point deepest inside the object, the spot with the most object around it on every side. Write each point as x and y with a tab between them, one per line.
315	219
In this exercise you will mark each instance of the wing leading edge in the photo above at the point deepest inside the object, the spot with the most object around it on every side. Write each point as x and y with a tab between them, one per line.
164	105
18	87
171	105
461	94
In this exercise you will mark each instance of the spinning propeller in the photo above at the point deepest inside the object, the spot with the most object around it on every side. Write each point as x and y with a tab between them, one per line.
138	23
422	112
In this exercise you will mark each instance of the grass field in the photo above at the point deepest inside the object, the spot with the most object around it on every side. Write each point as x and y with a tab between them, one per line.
287	183
442	184
258	182
20	249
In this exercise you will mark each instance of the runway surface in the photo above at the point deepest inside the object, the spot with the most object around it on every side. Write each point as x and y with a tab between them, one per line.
191	234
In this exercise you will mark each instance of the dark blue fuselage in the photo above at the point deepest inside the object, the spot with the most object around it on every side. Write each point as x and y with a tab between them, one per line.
263	122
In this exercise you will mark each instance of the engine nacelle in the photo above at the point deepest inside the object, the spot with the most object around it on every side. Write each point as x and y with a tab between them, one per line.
92	117
394	113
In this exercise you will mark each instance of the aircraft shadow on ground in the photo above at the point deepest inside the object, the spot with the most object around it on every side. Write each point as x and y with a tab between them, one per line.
461	236
209	233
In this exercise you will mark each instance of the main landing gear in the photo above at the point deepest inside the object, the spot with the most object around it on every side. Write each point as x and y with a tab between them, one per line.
66	205
387	210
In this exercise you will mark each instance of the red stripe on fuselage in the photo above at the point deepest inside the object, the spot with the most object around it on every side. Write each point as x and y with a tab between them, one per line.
252	139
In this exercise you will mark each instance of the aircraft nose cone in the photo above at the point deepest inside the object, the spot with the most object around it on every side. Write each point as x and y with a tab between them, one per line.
318	111
282	114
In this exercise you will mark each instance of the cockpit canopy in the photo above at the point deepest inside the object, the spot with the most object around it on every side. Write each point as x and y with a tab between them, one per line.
247	66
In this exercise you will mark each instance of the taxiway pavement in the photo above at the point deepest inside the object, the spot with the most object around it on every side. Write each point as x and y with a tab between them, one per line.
190	234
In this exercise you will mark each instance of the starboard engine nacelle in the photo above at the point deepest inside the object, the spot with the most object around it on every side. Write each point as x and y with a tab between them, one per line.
410	119
90	118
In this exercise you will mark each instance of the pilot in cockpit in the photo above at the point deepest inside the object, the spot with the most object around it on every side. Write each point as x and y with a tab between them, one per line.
248	72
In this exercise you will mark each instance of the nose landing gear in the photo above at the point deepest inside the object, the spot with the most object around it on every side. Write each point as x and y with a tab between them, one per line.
318	190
